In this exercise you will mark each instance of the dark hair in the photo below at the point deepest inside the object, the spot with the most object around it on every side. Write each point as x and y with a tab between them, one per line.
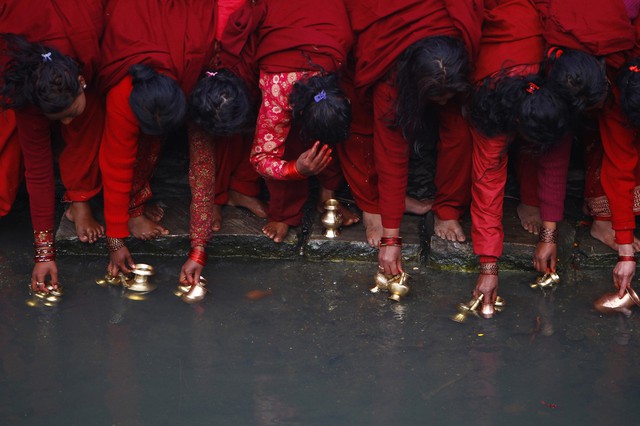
156	100
628	81
320	109
523	105
430	68
38	75
221	104
579	77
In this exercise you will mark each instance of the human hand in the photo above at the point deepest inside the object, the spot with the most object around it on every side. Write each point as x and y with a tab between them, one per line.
314	160
486	285
390	260
40	272
545	257
120	261
190	272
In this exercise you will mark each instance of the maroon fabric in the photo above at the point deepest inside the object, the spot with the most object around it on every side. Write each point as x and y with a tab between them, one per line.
73	27
173	37
384	29
300	35
511	35
594	26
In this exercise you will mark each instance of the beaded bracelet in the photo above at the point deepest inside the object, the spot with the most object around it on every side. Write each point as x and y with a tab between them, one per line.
114	244
488	269
391	241
627	259
548	235
44	246
198	256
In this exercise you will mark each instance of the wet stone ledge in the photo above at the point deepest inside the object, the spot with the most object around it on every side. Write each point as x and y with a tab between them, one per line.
241	236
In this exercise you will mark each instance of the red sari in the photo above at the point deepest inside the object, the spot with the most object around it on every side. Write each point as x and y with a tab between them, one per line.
383	31
74	28
178	43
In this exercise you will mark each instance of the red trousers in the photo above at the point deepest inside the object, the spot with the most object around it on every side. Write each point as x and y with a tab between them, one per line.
453	168
233	169
79	168
11	167
147	157
287	197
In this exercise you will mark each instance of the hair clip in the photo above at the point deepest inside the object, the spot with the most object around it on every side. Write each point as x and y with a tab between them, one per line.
211	74
532	88
634	68
320	96
46	57
554	52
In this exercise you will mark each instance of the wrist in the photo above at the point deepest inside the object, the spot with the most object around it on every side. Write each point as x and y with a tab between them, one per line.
489	268
626	250
291	171
114	244
44	246
391	241
198	256
548	235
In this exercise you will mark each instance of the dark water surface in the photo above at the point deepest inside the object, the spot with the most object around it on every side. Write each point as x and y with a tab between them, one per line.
320	350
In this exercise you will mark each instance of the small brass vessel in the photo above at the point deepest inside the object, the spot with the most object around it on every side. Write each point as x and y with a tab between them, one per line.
140	281
51	297
476	308
381	282
181	289
398	286
331	218
109	279
197	292
610	303
546	281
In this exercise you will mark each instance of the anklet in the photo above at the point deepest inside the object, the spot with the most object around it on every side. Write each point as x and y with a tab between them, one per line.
548	235
488	269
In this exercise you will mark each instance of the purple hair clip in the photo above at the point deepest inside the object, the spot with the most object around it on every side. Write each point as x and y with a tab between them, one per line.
46	57
320	96
211	74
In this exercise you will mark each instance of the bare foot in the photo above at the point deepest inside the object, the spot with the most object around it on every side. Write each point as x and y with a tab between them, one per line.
216	213
154	212
419	207
602	231
530	218
144	228
87	227
276	231
253	204
449	229
373	227
348	217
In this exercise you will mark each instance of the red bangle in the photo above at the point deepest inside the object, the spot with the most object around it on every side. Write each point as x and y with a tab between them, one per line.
391	241
198	256
292	173
627	259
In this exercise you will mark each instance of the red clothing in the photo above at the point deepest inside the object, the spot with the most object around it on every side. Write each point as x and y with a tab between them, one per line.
511	41
384	29
173	37
619	168
303	35
74	28
593	26
11	166
117	158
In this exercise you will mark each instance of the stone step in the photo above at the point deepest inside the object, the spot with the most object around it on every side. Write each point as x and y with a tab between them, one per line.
241	236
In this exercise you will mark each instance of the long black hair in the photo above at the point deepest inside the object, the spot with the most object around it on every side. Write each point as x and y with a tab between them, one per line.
39	75
156	100
628	82
579	77
320	109
220	104
431	68
521	105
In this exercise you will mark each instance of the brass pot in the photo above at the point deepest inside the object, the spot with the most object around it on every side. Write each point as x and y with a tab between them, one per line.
197	292
398	286
331	218
381	282
140	281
